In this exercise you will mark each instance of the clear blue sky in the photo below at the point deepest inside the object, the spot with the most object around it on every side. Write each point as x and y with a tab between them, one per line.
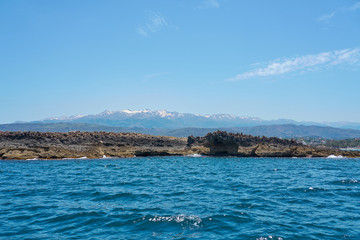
269	59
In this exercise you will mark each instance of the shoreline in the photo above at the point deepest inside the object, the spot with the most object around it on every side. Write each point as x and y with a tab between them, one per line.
96	145
202	156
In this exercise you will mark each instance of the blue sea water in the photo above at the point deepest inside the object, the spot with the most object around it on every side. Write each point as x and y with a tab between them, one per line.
181	198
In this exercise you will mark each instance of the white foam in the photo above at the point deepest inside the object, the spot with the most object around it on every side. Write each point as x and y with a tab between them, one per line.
334	156
178	218
194	155
82	158
268	238
350	181
32	159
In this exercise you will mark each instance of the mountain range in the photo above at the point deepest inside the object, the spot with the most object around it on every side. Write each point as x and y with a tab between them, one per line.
185	124
175	120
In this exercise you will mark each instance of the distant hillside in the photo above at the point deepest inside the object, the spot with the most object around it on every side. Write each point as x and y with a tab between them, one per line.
57	127
68	127
347	143
292	130
281	130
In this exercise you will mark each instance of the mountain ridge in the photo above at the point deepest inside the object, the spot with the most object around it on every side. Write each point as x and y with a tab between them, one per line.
175	120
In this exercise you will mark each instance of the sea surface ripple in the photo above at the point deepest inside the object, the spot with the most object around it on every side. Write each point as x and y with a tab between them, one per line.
180	198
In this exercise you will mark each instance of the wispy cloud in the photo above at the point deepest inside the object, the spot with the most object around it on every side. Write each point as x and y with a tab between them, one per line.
355	6
327	16
302	63
155	23
141	31
209	4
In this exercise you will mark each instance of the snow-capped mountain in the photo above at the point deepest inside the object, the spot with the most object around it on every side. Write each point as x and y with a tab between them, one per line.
64	118
174	120
158	119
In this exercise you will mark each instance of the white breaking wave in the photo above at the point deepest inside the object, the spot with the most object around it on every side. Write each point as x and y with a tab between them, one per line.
269	238
194	155
192	219
32	159
334	156
74	158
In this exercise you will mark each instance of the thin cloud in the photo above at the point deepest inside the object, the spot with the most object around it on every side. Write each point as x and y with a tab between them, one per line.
142	32
303	64
155	23
209	4
355	6
326	17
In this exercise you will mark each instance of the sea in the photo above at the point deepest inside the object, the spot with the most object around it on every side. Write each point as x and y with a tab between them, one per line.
189	197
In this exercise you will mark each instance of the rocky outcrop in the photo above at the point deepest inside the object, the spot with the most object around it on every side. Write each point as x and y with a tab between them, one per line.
24	145
29	145
241	145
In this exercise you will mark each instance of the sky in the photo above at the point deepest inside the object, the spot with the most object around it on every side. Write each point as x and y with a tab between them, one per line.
275	59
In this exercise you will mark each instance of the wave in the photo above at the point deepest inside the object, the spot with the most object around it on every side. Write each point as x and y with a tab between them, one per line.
345	181
74	158
194	155
269	238
309	189
181	220
152	198
99	196
334	156
177	218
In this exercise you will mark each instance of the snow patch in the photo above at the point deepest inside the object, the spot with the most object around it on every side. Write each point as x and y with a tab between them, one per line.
64	118
135	111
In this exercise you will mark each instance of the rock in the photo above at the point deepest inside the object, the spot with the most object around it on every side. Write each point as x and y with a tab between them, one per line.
221	143
241	145
29	145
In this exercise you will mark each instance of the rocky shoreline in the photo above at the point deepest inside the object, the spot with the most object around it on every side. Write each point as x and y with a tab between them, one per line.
53	145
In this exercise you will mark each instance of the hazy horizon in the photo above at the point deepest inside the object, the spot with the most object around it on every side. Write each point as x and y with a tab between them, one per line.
270	60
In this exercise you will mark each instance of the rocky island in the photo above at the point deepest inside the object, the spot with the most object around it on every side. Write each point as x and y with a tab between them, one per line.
53	145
